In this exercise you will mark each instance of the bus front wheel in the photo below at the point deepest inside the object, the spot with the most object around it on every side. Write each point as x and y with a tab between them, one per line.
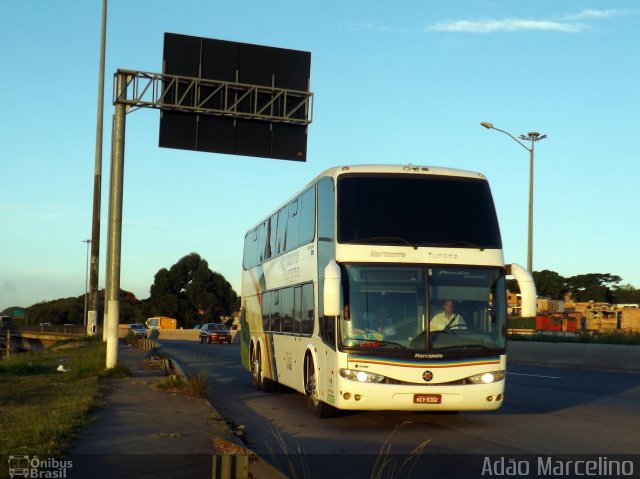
319	408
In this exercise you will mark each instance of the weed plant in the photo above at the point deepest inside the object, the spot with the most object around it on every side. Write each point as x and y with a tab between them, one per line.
197	382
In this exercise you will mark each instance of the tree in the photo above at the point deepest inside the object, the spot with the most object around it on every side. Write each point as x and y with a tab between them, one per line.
549	283
190	292
593	286
71	310
626	294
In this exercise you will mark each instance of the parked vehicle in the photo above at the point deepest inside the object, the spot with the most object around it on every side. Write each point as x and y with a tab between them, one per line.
162	322
215	333
139	330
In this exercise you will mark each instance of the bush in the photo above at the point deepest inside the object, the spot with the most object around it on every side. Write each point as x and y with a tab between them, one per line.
607	337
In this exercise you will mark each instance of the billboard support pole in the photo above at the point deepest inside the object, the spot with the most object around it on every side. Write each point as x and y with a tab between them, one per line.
115	222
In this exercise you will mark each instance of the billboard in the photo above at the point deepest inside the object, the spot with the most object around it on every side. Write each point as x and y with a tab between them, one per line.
255	105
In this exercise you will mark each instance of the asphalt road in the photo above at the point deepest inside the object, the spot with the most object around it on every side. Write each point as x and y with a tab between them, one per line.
547	411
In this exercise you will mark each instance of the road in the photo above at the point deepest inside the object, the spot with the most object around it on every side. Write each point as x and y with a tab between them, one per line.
547	411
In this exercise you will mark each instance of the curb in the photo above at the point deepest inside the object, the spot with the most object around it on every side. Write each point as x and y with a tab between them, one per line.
236	455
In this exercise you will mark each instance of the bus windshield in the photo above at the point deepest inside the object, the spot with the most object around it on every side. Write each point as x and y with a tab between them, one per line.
419	309
416	210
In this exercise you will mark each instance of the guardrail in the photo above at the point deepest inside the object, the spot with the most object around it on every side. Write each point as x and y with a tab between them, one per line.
598	357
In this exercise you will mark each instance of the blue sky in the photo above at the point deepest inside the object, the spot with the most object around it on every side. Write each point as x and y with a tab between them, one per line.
394	82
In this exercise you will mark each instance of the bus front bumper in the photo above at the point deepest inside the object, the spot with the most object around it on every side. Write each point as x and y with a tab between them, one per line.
379	397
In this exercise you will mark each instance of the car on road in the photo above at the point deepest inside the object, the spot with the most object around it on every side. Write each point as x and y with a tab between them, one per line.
214	333
139	330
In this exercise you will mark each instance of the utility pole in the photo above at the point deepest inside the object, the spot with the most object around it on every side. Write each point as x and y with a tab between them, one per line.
92	319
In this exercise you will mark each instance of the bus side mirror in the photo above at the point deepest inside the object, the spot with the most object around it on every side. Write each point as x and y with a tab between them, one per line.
332	289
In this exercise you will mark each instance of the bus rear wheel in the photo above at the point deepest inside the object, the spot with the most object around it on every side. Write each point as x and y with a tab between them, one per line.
319	408
257	375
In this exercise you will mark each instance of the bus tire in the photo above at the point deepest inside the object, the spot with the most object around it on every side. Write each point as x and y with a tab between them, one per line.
319	408
257	375
256	369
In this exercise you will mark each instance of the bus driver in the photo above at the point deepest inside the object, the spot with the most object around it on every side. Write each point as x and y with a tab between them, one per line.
447	319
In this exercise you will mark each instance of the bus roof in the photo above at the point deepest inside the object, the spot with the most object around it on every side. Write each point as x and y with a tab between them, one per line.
408	168
336	171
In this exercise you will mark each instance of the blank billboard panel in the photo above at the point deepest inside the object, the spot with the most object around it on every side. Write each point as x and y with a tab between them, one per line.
181	55
221	131
216	135
178	130
291	69
289	142
253	138
219	60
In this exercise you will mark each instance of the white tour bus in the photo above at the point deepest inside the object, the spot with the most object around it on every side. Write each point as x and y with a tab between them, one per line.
381	287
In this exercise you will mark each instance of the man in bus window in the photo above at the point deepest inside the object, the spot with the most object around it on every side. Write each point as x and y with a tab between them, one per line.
380	320
447	319
383	320
373	325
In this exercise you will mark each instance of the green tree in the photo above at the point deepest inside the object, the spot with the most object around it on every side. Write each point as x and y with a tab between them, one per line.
71	310
626	294
593	286
549	283
190	292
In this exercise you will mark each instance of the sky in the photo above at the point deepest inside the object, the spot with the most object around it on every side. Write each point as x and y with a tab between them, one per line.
393	82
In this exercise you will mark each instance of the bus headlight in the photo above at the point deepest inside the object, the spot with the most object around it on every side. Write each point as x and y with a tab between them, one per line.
361	376
486	378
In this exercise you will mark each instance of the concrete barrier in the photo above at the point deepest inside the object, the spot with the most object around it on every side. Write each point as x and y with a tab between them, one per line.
180	334
599	357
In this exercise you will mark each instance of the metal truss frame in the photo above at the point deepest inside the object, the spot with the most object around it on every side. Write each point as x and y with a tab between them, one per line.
213	97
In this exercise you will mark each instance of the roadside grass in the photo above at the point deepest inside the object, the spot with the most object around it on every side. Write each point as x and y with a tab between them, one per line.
43	408
612	337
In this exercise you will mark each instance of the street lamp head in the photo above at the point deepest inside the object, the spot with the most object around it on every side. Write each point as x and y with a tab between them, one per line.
533	136
487	125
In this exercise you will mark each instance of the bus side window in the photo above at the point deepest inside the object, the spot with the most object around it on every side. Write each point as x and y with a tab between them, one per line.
293	225
286	308
275	311
262	243
281	237
266	310
270	244
328	330
297	309
307	216
306	327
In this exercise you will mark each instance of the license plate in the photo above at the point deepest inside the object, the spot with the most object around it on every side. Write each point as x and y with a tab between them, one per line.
427	398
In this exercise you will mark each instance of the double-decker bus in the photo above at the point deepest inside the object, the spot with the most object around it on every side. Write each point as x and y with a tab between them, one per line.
381	287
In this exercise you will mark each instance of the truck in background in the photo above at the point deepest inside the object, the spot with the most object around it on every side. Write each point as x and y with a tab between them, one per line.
161	322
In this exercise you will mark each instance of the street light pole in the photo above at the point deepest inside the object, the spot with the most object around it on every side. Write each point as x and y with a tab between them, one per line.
532	136
86	283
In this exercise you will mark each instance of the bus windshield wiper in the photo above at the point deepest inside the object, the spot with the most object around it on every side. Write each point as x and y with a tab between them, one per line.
386	239
465	346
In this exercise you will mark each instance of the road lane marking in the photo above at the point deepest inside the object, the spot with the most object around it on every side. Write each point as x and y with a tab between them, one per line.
534	375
